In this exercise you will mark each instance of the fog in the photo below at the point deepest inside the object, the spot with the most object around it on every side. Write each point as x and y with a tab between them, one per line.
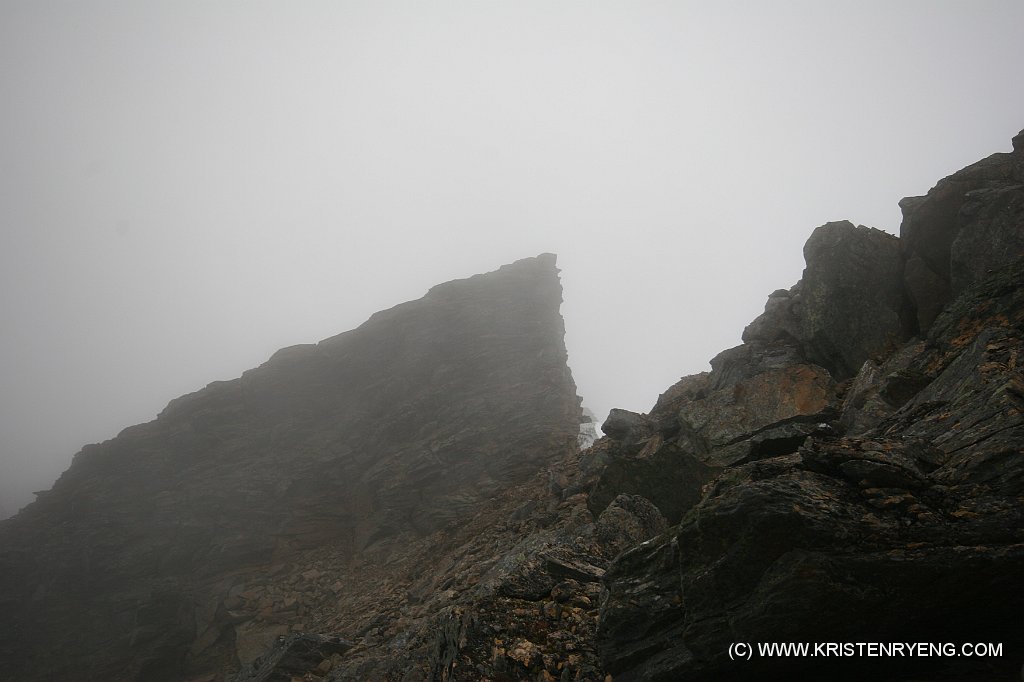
186	187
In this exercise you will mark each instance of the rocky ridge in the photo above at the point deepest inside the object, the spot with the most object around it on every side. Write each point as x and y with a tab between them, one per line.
867	444
175	548
852	472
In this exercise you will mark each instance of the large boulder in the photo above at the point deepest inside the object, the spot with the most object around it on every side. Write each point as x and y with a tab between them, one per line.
739	411
849	305
670	477
852	302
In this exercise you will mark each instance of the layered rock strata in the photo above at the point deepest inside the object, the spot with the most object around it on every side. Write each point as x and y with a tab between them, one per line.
139	564
853	472
869	468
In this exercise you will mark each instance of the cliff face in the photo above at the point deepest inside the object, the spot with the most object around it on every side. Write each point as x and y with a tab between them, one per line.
132	565
867	444
407	501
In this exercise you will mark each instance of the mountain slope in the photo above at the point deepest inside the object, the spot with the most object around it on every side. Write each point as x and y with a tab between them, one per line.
407	501
399	428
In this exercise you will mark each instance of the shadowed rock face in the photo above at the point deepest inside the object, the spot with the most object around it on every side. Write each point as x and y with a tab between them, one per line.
965	227
853	305
399	428
908	526
849	306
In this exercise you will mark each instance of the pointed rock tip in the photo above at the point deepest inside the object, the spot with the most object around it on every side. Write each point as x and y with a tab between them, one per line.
542	259
544	262
541	266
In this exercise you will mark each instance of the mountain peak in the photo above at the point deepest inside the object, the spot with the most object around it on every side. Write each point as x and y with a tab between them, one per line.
389	432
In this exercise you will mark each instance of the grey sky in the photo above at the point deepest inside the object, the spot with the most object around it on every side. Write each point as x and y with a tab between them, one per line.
187	186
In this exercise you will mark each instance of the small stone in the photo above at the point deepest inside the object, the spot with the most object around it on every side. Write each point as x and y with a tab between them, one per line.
553	610
563	591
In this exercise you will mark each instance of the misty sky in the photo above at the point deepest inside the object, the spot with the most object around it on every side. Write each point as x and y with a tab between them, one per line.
186	187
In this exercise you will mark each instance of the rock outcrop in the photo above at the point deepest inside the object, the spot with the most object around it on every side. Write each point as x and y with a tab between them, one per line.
965	227
849	306
869	438
415	499
139	564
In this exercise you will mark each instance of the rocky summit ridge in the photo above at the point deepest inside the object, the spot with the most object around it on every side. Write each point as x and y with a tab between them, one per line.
409	500
140	562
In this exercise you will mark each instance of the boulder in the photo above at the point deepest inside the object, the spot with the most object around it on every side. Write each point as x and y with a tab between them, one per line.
735	413
852	304
627	522
671	478
623	425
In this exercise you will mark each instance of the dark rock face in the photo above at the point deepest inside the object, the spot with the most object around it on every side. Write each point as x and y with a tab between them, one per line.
909	527
620	423
294	655
967	225
714	425
408	501
134	565
853	305
991	233
670	478
882	387
854	525
849	306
